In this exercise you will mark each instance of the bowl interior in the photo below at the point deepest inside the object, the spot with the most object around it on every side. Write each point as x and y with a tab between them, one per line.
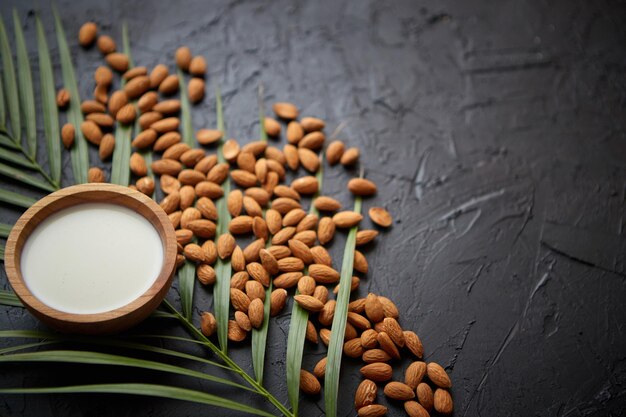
109	321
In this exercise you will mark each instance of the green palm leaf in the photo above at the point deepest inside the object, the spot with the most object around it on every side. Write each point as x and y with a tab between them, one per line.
8	298
25	84
335	347
17	175
48	102
16	199
5	229
151	390
10	83
16	159
259	338
79	154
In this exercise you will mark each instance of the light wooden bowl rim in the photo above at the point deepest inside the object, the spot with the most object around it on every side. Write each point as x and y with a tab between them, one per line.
109	321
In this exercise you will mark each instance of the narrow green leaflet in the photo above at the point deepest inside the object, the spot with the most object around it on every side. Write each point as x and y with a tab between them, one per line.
3	115
25	84
17	175
221	289
15	158
185	111
5	229
16	199
6	141
2	253
335	347
25	346
10	84
79	154
97	358
48	103
259	338
151	390
8	298
120	166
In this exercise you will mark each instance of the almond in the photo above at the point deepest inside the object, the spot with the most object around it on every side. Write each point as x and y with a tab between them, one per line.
358	306
127	114
138	165
275	154
279	252
313	141
287	279
425	395
347	219
368	339
166	166
309	303
327	313
194	253
208	324
271	182
295	132
246	161
258	273
414	374
309	383
286	192
309	222
238	261
166	140
137	86
167	106
234	202
254	289
443	401
260	168
235	333
321	293
321	256
311	333
95	175
90	106
208	136
117	61
269	262
290	264
243	178
306	286
202	228
375	355
387	345
239	299
87	34
398	391
144	184
190	177
195	89
157	75
183	58
184	236
352	348
325	336
176	151
91	131
360	262
365	236
144	139
358	321
134	72
67	135
106	44
390	308
197	66
206	274
308	237
225	245
171	202
100	93
256	312
300	251
373	410
259	195
291	156
166	125
271	126
306	185
414	409
309	159
206	164
323	274
251	252
413	343
334	152
147	119
380	216
377	372
365	394
350	157
324	203
209	189
243	321
325	230
438	375
394	331
293	217
175	218
273	220
169	85
320	368
218	173
207	208
362	187
168	183
103	76
285	110
240	225
107	145
148	101
283	235
277	301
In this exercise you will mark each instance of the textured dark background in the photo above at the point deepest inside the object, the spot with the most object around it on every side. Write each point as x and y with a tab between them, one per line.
496	134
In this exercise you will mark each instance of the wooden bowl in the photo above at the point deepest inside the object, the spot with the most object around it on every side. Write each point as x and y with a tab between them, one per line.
109	321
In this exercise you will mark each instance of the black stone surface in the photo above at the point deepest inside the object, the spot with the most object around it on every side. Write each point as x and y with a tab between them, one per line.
496	134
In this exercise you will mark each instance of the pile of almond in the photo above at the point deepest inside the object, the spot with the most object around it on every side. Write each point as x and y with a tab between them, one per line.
288	246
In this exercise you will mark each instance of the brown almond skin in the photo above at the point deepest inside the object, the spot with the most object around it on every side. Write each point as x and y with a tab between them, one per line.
309	383
425	395
208	136
91	131
399	391
334	152
438	375
350	157
95	175
372	410
362	187
117	61
68	132
106	44
278	300
197	66
208	324
137	86
414	374
380	216
255	312
157	75
183	58
272	127
285	110
377	372
320	368
365	394
103	76
169	85
87	34
107	145
414	409
443	402
195	89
